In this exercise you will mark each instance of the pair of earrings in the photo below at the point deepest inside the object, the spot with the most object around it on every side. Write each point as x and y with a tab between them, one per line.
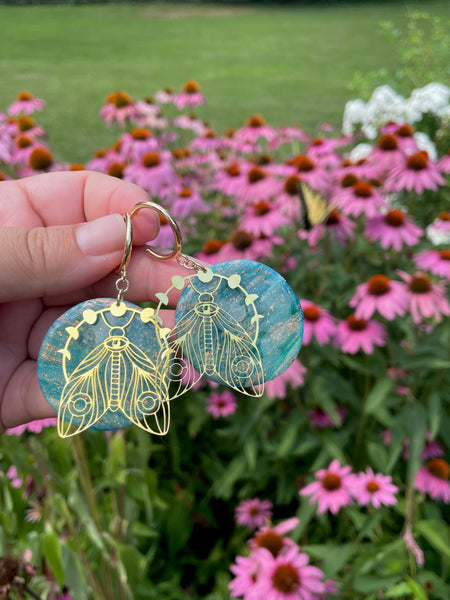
107	363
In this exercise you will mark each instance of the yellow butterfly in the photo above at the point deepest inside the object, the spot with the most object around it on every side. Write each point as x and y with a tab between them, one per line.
315	208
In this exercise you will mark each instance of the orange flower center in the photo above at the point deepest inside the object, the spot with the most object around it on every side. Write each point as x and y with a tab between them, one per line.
405	131
2	176
349	180
261	208
255	121
116	170
185	193
333	218
24	95
264	159
331	482
25	123
291	185
121	99
394	218
141	134
233	170
242	240
212	246
439	468
23	142
191	87
76	167
40	159
356	324
311	313
445	254
418	161
270	540
420	283
378	285
362	189
372	487
388	143
286	579
303	163
151	159
255	174
444	215
100	154
318	141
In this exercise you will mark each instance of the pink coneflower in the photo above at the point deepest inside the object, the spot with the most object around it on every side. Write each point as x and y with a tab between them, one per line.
187	202
13	476
293	377
191	123
332	491
336	224
190	96
322	420
318	323
435	261
404	135
165	96
417	173
322	151
433	479
152	172
361	198
353	334
262	218
311	172
253	513
377	490
136	143
258	184
288	577
33	426
360	169
246	571
255	128
244	244
288	200
273	538
287	135
444	163
231	179
381	294
210	251
21	149
221	404
426	299
207	142
393	230
26	125
25	103
119	107
386	154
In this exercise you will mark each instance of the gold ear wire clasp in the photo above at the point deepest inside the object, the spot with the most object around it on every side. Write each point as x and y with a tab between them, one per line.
182	259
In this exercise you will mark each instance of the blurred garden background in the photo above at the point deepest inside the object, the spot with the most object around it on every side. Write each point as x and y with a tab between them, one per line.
335	483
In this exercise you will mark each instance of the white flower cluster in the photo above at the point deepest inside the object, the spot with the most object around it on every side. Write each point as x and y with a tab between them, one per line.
386	105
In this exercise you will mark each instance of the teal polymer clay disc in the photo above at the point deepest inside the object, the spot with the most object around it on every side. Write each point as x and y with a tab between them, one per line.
99	368
255	297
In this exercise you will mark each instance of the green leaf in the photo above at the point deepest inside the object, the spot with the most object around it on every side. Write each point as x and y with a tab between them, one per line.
437	533
333	557
134	563
178	526
51	547
377	395
434	413
74	578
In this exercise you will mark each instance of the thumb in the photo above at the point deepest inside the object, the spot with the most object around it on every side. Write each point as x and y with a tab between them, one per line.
53	260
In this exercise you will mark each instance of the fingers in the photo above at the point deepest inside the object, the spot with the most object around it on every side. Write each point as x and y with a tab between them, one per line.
23	400
58	259
65	198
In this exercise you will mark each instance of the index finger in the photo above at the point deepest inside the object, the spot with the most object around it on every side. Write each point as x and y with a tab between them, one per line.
69	197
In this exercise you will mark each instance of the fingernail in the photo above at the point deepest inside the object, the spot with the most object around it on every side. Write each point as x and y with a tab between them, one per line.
102	236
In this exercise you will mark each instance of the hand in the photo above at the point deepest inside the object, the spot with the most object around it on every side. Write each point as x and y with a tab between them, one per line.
62	237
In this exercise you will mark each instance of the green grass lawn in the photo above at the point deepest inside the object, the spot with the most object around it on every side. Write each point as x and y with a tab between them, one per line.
292	65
